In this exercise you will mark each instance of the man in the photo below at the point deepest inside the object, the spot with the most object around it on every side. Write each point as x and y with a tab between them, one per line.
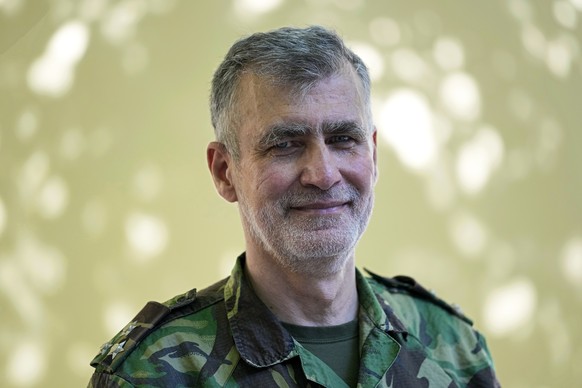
296	148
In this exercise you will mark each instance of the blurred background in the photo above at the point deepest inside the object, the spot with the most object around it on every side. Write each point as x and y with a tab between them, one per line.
106	202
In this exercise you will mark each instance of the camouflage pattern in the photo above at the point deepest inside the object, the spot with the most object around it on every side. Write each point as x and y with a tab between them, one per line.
224	336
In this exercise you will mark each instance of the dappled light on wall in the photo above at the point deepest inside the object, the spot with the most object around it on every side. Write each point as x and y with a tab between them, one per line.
106	202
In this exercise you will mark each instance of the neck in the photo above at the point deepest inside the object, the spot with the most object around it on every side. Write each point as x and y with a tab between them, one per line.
304	299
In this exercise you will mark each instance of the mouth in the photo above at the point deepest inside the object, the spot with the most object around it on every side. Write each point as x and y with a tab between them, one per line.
322	208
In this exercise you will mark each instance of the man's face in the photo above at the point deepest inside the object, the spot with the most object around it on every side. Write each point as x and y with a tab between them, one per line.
306	173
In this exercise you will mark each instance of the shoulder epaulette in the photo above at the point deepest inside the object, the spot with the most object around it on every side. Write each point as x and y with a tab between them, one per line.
113	353
412	287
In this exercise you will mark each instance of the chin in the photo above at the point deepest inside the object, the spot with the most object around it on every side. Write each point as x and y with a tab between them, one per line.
319	267
317	258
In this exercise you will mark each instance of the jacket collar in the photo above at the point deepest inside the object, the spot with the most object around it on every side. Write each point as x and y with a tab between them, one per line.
260	337
376	309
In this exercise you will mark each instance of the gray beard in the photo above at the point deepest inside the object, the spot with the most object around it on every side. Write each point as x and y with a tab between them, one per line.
294	242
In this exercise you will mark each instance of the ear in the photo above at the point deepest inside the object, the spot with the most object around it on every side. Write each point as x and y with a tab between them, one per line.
220	164
374	154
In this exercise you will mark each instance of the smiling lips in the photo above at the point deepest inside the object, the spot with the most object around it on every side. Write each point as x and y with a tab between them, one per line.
322	207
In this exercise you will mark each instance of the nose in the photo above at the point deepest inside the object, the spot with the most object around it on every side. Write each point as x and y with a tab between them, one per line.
319	168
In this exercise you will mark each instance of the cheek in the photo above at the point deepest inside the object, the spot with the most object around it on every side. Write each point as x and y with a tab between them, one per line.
361	174
273	181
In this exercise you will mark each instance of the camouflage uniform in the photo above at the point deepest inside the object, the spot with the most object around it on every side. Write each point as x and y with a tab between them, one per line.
225	336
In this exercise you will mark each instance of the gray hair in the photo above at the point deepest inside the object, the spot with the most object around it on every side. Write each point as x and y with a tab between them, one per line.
295	57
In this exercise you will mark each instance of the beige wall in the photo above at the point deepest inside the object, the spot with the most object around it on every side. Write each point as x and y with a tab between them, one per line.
105	201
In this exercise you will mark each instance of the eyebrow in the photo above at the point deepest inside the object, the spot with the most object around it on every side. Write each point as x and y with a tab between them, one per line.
280	132
350	128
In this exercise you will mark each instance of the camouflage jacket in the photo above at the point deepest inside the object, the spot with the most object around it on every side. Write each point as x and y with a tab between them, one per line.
225	336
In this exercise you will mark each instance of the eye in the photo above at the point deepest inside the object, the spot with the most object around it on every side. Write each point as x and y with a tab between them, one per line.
283	145
284	148
341	141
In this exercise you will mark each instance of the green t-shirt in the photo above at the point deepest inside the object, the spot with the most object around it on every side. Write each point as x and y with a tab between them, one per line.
337	346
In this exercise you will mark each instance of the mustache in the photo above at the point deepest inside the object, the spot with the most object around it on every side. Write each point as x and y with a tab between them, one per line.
309	196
